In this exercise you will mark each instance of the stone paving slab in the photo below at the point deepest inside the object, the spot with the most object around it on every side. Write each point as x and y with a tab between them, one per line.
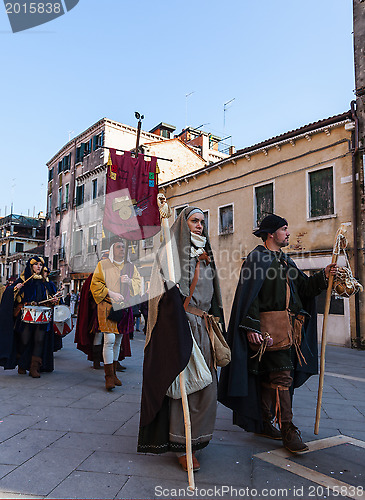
64	412
130	428
121	412
89	485
10	408
45	399
26	444
98	442
5	469
98	399
91	426
352	414
13	424
42	473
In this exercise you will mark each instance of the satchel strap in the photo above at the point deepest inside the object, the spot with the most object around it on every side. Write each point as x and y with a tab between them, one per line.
195	311
287	293
203	256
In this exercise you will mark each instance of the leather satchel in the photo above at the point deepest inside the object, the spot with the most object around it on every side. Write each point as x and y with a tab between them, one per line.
220	348
275	325
278	325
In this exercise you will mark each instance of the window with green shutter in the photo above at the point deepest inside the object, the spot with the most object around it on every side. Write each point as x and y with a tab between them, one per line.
94	189
80	153
19	247
225	219
321	198
88	145
80	195
264	202
78	242
98	141
67	193
178	210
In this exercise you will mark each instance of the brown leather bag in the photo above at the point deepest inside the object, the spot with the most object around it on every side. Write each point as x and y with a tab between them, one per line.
276	325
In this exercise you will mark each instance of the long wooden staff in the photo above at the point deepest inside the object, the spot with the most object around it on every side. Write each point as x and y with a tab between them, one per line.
165	212
336	250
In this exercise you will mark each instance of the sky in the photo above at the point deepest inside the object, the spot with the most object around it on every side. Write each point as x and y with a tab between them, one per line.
283	63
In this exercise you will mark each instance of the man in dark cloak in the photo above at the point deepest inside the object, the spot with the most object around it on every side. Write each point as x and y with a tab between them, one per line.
255	383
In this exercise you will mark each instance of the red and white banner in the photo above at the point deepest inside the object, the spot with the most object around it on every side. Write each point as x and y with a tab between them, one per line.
131	209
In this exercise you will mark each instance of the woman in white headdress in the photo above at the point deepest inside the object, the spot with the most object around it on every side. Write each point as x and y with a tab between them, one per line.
162	422
114	282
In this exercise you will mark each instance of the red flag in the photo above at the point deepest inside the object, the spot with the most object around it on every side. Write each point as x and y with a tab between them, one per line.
131	209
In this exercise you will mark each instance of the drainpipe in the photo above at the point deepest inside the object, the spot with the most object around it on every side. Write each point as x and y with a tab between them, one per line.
355	149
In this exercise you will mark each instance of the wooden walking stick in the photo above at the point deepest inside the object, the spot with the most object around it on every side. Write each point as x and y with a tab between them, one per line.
165	213
340	242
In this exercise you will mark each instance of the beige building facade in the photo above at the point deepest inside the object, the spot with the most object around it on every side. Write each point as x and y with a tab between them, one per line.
304	175
74	235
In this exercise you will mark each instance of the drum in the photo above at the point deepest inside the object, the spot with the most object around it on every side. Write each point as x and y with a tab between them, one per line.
36	314
62	321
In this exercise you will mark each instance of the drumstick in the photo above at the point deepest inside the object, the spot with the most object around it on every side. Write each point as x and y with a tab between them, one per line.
30	277
56	296
22	284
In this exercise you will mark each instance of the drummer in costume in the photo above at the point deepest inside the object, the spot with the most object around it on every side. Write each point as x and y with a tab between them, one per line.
114	283
169	348
27	342
259	382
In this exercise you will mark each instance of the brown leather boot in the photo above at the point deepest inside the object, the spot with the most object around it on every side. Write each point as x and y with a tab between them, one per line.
120	368
97	356
292	439
35	366
269	430
109	376
116	379
267	402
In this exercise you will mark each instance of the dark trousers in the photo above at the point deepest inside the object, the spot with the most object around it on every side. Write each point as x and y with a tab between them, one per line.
32	335
275	395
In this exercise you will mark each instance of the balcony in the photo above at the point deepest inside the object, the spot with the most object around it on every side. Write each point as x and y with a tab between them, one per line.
61	254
